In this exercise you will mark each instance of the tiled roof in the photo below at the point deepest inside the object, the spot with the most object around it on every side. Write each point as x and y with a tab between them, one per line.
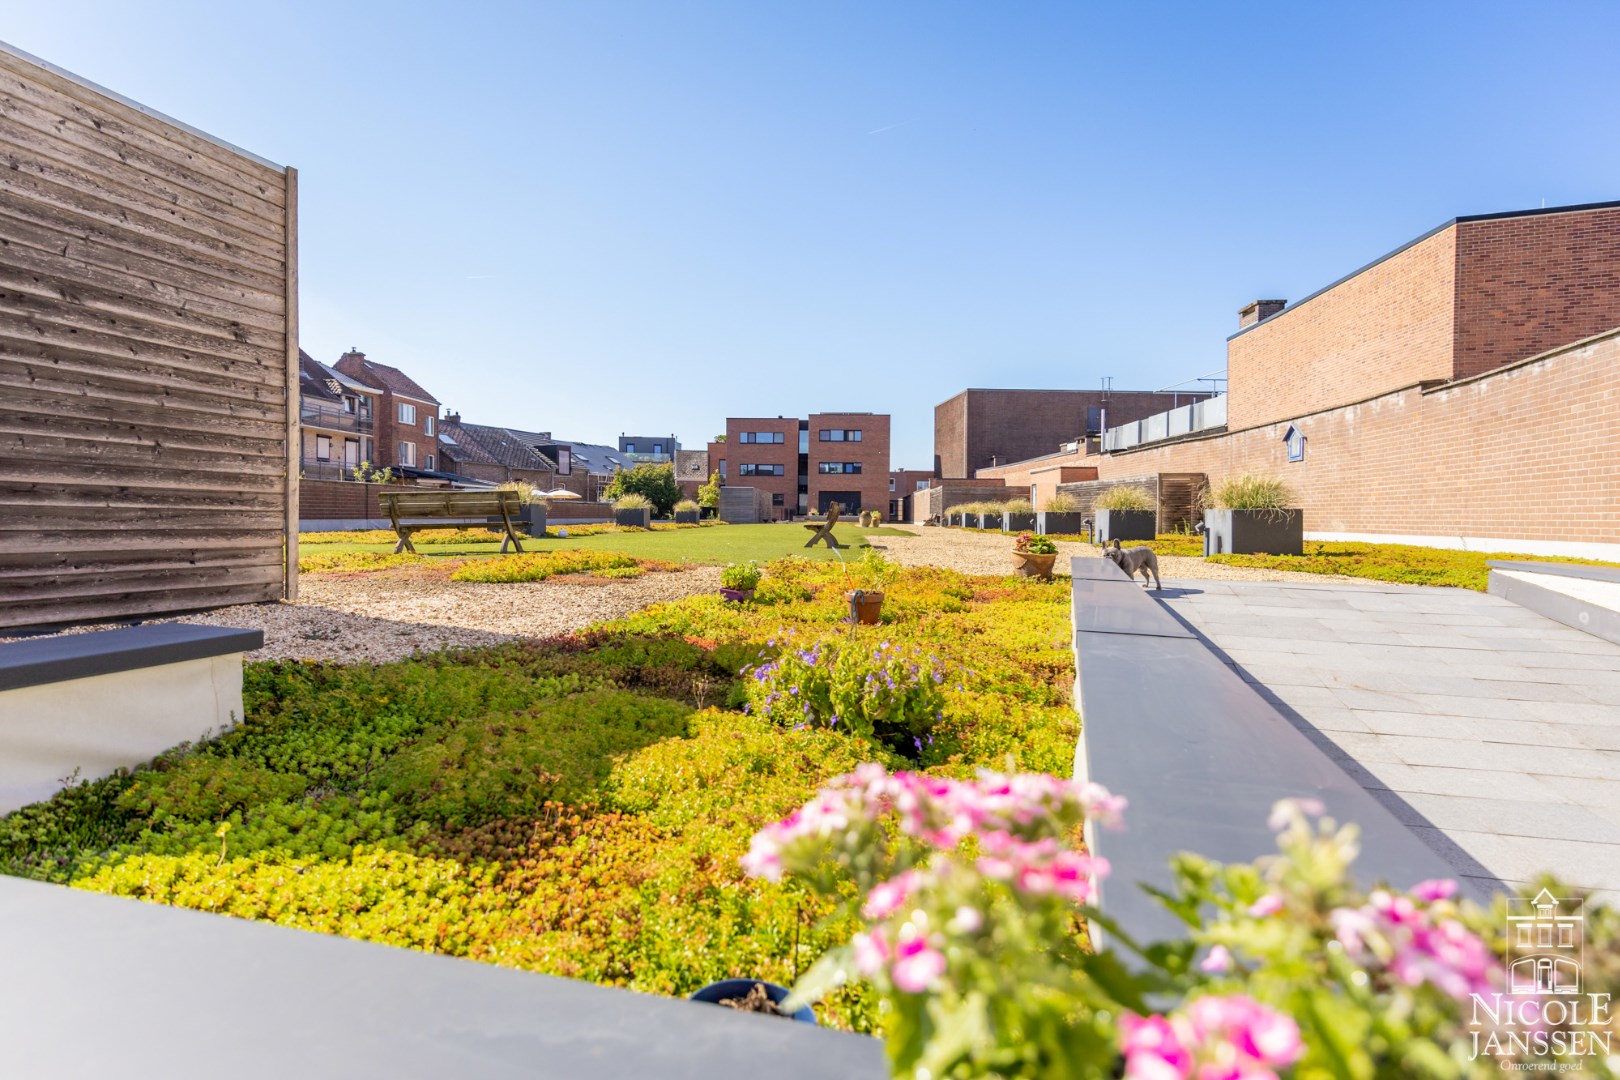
314	381
396	380
485	445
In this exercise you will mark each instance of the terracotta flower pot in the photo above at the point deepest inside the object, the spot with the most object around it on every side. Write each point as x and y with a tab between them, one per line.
1026	564
865	606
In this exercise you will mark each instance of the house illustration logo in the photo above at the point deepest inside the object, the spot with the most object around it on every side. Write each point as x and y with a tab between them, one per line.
1545	939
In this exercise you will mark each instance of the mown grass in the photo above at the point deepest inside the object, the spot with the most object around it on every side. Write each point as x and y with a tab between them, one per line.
715	546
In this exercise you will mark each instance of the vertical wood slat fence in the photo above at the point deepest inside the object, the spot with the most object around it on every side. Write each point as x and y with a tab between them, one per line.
148	360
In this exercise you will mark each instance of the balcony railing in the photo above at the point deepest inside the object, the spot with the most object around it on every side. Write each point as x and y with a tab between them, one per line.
1199	416
327	416
315	469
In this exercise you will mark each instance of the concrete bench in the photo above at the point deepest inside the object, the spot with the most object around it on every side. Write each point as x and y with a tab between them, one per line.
88	704
1201	756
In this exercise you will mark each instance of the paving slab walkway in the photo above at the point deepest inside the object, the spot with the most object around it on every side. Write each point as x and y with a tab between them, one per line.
1493	732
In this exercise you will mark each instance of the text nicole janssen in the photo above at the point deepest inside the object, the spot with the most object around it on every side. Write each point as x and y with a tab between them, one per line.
1527	1026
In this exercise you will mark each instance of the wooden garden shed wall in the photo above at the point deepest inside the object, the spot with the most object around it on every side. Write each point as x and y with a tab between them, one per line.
148	341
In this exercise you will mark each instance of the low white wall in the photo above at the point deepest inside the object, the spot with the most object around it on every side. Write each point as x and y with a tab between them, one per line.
1568	549
103	723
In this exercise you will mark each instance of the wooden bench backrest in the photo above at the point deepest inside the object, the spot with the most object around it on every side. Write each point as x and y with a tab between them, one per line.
449	504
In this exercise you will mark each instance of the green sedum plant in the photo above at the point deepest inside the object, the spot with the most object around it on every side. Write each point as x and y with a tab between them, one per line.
743	576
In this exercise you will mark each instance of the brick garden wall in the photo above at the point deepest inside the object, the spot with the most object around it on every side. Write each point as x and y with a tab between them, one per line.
333	500
1527	453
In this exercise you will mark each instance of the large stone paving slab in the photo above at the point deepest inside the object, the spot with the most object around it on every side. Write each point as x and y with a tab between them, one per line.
1491	731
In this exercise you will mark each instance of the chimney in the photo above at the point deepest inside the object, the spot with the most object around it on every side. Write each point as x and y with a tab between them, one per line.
453	418
1259	311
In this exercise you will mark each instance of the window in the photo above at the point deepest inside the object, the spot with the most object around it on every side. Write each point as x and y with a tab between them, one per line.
427	426
776	499
407	413
722	468
759	470
922	485
349	405
407	453
840	435
323	448
658	448
629	447
760	437
891	483
351	452
365	408
428	460
1295	440
838	467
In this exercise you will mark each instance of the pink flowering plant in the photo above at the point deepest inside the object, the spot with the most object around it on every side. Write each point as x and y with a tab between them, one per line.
975	896
882	693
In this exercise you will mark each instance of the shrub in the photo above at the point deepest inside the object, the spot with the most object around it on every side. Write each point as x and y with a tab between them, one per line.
539	565
1251	491
633	501
742	576
1125	497
1062	503
890	696
709	494
1018	506
654	483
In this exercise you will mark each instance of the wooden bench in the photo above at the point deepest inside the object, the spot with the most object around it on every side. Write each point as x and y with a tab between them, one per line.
441	505
824	529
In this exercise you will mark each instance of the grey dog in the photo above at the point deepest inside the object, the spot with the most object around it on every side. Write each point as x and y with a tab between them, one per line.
1138	560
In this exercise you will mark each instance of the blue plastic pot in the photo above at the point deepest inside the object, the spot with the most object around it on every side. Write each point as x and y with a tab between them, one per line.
716	992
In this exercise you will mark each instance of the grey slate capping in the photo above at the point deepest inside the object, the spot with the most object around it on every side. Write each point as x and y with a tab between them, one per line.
1089	569
1573	570
1572	611
1202	759
103	652
1102	607
249	1000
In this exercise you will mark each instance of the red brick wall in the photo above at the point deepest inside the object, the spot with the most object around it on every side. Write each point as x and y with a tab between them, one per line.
786	454
1531	452
872	453
325	500
1389	326
905	485
1533	283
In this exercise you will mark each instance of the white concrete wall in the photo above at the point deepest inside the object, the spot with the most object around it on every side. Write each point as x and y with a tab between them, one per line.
103	723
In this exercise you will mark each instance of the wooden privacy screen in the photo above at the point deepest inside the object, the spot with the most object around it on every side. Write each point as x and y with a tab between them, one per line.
148	358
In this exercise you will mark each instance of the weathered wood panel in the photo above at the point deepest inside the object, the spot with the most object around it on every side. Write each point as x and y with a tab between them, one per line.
148	351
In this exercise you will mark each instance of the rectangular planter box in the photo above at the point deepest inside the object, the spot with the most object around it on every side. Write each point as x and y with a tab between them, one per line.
1064	523
529	521
1254	532
639	518
985	521
1017	522
686	517
1126	525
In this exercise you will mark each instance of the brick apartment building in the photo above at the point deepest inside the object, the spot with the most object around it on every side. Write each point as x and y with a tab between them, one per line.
902	484
978	429
337	421
407	416
808	464
1461	391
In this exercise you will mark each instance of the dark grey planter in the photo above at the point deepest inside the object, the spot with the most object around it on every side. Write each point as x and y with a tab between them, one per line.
1254	532
531	520
953	520
985	521
640	518
1124	525
686	517
1017	522
1060	523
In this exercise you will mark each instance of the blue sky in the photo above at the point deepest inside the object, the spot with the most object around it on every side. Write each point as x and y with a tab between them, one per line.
602	217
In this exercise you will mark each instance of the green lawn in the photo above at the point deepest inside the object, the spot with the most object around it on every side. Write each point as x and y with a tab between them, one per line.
717	546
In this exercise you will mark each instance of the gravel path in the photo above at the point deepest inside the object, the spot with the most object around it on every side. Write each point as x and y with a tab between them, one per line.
394	614
988	553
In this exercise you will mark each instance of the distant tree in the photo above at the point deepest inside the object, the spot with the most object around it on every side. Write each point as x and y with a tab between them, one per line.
709	494
656	482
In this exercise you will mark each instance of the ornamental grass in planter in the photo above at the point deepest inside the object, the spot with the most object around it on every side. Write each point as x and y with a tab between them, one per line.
1253	514
633	511
687	512
1017	515
1061	516
1125	513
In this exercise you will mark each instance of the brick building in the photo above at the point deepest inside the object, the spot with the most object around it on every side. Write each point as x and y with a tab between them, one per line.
807	464
407	416
902	484
493	454
1461	391
979	429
